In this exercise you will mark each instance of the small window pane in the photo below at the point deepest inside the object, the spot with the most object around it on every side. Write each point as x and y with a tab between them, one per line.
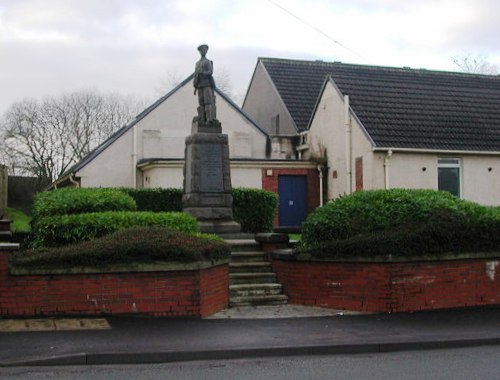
449	180
449	161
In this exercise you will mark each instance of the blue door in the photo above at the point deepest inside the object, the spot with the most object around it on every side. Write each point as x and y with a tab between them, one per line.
292	190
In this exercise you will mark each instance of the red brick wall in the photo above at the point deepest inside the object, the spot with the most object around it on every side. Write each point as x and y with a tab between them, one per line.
271	183
391	287
214	290
179	293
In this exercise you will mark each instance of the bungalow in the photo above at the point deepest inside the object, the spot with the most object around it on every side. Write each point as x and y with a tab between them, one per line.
378	127
149	153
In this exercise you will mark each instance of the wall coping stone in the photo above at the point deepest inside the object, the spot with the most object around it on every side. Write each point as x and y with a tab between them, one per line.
294	255
158	266
271	237
9	246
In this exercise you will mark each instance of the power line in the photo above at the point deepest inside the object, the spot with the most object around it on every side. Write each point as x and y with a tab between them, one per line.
316	29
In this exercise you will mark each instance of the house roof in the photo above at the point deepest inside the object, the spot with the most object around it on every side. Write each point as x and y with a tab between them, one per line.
399	107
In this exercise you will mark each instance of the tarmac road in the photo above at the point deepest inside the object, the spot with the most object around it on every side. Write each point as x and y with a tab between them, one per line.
131	340
456	364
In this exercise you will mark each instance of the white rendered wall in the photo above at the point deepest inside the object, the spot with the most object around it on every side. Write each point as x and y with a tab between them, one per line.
161	134
262	103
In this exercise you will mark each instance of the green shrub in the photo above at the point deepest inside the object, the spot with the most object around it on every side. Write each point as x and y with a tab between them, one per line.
75	201
132	245
444	232
254	209
20	221
66	229
156	199
378	210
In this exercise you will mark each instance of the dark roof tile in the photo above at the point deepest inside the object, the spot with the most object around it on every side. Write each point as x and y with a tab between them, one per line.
399	107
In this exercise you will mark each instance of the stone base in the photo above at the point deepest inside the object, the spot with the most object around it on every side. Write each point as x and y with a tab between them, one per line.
198	126
218	226
210	213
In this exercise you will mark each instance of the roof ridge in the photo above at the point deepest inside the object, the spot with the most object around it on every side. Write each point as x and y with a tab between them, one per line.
377	67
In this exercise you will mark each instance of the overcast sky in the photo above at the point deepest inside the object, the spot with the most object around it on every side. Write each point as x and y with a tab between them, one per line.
48	47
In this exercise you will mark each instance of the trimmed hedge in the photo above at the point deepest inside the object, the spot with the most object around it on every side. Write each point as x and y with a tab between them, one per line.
132	245
400	222
378	210
67	201
59	215
66	229
254	209
444	232
156	199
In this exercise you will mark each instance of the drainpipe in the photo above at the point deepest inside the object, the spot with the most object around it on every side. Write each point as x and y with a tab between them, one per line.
134	157
73	181
348	140
386	168
320	174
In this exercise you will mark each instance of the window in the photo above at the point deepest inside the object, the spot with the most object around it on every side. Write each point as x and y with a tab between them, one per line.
449	175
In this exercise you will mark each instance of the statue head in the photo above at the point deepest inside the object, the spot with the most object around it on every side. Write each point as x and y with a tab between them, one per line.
203	49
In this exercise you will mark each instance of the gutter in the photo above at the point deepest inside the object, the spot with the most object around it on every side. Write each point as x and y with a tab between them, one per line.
386	169
348	155
437	151
134	156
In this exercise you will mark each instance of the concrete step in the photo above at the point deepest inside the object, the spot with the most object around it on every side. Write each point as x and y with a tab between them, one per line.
242	245
250	256
252	278
251	267
5	224
279	299
247	290
237	236
5	236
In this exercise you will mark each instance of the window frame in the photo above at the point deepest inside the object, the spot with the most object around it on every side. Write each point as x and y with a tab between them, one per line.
451	163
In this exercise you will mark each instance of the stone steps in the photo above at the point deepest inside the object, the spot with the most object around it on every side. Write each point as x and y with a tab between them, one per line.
280	299
5	233
250	290
251	278
250	267
243	245
252	256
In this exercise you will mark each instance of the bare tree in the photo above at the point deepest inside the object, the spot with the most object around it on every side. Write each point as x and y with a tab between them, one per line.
223	81
478	64
45	138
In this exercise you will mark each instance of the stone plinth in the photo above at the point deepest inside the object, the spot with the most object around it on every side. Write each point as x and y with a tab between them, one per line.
207	179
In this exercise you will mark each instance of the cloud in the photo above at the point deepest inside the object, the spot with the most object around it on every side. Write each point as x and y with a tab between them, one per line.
130	46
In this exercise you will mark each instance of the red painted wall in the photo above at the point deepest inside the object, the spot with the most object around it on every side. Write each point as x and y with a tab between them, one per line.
271	183
391	287
196	293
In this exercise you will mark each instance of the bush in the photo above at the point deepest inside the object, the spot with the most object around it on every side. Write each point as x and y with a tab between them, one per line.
444	232
254	209
378	210
20	221
136	244
66	229
75	201
156	199
400	223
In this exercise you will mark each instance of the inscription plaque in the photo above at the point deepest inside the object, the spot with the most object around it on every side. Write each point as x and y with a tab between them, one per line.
211	169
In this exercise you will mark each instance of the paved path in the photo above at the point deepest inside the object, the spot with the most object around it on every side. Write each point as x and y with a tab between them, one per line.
279	311
149	340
